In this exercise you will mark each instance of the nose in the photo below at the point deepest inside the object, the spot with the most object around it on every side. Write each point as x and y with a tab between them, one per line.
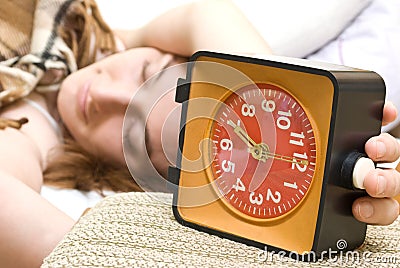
111	97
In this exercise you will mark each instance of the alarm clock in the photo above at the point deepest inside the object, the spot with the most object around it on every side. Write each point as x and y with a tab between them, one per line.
268	148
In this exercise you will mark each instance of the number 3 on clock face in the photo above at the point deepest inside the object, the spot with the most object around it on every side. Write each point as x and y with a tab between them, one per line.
262	149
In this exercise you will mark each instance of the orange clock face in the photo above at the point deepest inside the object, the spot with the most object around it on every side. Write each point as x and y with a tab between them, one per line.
263	152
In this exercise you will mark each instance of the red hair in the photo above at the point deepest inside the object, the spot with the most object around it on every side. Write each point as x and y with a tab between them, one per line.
70	166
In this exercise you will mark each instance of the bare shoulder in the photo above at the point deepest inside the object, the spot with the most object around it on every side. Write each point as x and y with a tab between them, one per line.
24	151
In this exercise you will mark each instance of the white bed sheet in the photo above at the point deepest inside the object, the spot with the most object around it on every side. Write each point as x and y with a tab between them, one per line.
372	41
72	202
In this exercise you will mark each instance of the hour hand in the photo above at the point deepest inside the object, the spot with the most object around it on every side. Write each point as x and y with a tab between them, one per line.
242	134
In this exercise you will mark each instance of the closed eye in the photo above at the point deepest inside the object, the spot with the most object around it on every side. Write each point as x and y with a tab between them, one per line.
144	71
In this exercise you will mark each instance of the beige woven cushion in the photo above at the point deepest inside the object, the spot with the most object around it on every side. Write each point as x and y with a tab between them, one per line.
136	230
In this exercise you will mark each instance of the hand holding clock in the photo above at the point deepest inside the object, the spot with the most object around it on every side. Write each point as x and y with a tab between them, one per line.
381	184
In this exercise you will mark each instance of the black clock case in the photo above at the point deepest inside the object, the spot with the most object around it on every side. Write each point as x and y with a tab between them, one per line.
356	116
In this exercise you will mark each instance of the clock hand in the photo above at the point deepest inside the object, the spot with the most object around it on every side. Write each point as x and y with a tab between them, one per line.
242	134
261	152
287	158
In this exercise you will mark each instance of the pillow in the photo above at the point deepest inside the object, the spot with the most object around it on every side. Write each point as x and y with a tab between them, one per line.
298	28
292	28
371	42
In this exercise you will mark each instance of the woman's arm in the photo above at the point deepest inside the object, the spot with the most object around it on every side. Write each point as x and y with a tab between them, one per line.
205	25
30	227
24	151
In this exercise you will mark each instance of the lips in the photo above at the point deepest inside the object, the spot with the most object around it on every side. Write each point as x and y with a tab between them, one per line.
82	100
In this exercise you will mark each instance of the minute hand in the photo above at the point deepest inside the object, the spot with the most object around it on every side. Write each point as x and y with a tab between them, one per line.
285	158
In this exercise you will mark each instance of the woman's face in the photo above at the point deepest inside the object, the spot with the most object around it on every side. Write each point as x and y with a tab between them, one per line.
92	102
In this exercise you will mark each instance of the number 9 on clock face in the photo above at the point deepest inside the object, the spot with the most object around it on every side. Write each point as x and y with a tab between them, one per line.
263	151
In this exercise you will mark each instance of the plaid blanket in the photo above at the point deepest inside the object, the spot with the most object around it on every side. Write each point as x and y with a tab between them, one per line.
42	41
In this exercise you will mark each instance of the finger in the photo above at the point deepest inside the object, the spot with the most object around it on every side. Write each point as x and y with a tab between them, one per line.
376	211
389	113
382	183
383	148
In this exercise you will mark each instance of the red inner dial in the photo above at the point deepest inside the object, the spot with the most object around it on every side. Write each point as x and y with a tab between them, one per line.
263	151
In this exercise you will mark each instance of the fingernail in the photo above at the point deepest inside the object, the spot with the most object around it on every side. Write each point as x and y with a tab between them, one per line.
380	149
380	185
365	209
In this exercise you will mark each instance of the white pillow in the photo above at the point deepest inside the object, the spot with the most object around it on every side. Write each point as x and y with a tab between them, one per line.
291	27
297	28
371	42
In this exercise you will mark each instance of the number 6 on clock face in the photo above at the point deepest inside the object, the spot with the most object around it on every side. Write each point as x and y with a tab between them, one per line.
272	137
